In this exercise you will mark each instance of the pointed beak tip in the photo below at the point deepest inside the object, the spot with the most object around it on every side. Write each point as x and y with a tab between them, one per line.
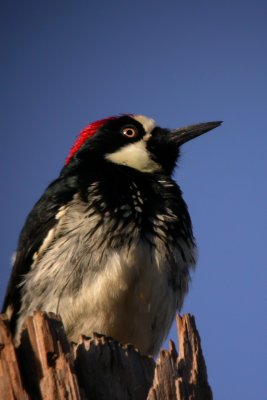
187	133
217	123
208	126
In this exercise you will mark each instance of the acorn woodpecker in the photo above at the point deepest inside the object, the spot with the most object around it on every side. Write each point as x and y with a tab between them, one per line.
109	245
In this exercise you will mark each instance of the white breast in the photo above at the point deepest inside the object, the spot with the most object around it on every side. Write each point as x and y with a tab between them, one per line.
131	300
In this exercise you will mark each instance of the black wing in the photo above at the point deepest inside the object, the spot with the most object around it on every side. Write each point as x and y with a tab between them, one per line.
38	223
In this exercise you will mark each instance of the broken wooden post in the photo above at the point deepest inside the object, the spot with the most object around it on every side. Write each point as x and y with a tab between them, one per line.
47	366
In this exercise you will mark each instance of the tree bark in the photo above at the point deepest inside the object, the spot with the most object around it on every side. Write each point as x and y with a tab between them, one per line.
47	366
182	377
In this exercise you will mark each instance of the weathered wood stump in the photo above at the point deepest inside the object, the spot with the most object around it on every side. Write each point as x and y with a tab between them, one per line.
47	366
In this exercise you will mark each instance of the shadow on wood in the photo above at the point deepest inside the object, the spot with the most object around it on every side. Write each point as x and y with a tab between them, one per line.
46	366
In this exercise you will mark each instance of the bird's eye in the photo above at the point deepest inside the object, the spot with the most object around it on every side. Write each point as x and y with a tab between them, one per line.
130	132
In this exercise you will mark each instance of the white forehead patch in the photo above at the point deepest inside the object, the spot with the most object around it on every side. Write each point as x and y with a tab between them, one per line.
148	123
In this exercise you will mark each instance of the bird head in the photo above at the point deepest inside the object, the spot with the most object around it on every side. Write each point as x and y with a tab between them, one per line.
133	141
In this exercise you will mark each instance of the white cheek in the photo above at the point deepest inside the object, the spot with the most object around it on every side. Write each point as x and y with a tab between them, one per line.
134	155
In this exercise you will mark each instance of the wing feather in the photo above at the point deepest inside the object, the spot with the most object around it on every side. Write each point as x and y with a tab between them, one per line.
39	223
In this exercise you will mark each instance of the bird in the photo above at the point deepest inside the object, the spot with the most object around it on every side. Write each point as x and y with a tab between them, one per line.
109	246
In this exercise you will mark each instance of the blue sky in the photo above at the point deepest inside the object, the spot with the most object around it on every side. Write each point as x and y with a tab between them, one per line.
66	63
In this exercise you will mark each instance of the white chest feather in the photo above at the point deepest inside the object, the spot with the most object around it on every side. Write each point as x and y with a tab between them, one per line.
133	299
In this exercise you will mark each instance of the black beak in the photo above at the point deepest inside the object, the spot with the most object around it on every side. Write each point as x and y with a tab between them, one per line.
183	135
